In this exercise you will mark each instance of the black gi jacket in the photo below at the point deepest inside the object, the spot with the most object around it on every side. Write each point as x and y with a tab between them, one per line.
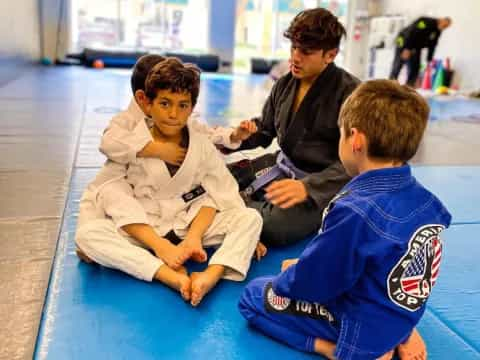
310	136
422	33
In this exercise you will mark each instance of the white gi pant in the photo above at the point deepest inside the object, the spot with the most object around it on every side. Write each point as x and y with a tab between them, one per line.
235	232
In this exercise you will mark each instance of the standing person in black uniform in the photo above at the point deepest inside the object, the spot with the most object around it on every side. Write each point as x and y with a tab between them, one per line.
291	188
422	33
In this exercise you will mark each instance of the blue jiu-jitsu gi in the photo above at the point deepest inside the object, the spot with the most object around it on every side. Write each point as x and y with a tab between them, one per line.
364	280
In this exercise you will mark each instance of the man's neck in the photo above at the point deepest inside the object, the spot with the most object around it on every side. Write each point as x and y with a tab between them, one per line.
307	82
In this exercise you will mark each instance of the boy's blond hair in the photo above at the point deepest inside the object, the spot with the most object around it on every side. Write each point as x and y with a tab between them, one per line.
393	118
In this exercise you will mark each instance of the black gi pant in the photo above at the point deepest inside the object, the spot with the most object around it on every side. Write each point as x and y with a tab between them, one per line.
280	226
413	64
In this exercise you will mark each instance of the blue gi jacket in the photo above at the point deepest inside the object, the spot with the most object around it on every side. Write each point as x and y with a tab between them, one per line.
374	261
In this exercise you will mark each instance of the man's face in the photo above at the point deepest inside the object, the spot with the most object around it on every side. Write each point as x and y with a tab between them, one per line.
307	63
444	23
170	111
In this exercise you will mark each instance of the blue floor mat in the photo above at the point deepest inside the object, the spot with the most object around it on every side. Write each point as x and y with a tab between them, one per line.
456	187
96	313
442	108
456	297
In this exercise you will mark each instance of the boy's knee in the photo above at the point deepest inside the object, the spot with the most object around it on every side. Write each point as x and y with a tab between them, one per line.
280	229
274	233
254	217
90	231
248	218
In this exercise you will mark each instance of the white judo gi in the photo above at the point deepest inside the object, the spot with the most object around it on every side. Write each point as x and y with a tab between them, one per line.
145	192
121	144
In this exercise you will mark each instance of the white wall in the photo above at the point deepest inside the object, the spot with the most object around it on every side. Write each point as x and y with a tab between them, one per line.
461	41
19	29
19	36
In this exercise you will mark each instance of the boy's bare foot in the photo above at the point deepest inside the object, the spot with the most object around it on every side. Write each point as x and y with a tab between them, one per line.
387	356
172	255
203	282
82	256
413	349
325	348
176	279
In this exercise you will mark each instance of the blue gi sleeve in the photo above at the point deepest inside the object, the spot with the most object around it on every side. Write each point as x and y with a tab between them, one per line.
331	264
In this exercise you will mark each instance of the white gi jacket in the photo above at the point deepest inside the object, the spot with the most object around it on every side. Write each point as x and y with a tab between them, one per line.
120	144
147	193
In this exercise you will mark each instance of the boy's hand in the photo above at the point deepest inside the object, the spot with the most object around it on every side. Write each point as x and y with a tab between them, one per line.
173	256
244	131
287	263
286	193
260	251
198	254
170	153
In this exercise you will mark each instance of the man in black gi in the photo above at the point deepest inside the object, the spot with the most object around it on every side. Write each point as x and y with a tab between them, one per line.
301	112
422	33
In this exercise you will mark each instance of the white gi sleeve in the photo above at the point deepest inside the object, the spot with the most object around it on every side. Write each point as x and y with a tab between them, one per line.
218	181
217	134
120	142
118	201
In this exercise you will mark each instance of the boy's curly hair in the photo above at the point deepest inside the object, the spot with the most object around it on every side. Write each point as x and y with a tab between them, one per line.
141	69
171	74
315	29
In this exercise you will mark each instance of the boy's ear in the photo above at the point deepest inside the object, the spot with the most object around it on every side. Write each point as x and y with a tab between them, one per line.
359	141
330	55
143	101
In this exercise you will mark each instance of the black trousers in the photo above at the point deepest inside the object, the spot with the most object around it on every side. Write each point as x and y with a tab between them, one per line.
280	226
413	64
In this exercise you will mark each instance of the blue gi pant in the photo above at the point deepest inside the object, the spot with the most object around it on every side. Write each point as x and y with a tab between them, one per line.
294	323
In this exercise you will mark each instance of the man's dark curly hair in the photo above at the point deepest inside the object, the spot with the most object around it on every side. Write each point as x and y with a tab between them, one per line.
171	74
315	29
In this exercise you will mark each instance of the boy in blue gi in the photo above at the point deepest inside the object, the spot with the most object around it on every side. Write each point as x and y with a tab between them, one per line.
360	287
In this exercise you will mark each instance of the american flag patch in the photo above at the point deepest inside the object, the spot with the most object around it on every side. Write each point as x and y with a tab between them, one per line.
422	273
411	280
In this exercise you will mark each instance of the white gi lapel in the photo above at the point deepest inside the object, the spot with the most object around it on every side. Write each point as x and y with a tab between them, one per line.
186	173
182	180
155	168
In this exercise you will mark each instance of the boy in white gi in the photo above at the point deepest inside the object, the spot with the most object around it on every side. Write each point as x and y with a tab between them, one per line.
361	286
196	201
121	144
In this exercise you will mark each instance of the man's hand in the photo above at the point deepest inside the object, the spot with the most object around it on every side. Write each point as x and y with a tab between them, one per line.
286	193
405	55
243	131
287	263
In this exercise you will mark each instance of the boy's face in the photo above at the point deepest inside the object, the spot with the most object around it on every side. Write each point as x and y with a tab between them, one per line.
170	111
346	152
309	63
